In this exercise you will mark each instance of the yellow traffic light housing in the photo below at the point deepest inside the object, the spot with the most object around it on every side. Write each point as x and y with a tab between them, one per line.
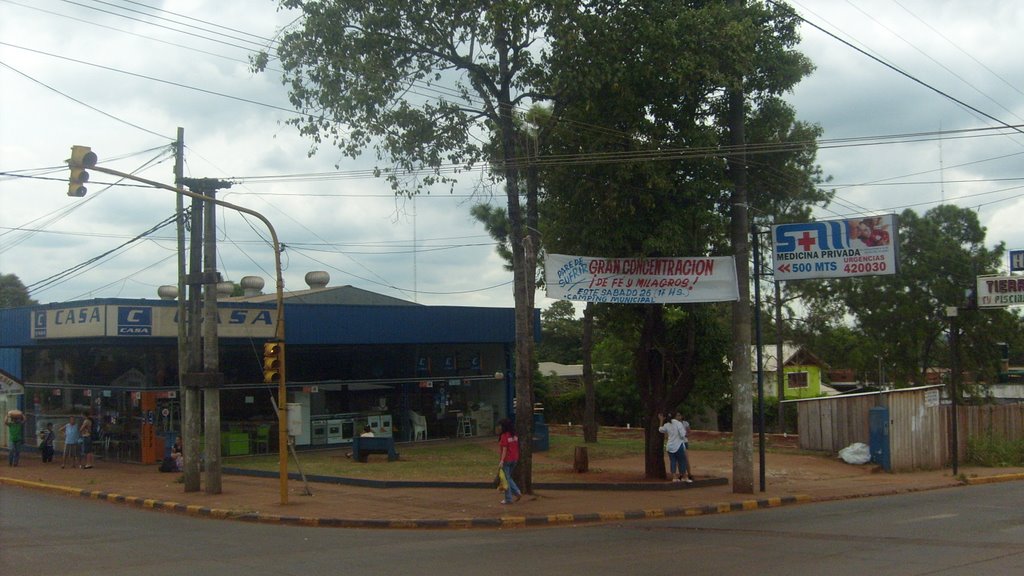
82	157
273	362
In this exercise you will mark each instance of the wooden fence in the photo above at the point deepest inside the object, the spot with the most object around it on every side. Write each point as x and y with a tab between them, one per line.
1005	421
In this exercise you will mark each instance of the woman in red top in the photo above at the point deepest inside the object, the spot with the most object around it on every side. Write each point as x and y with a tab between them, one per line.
509	444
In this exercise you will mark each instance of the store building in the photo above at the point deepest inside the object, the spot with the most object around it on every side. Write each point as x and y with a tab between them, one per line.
354	359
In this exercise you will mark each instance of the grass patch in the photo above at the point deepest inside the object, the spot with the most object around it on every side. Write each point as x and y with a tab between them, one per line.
476	460
994	452
442	461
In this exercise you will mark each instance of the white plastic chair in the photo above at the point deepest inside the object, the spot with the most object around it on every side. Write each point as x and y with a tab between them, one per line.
419	426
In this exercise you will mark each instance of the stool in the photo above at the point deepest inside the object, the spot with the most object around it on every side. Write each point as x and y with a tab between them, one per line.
465	427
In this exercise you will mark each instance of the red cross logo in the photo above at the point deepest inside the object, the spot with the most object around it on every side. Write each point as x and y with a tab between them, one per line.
807	241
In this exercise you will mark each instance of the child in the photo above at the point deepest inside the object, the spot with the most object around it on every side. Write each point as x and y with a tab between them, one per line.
46	443
178	453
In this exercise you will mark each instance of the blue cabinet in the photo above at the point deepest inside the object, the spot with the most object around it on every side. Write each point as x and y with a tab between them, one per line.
878	426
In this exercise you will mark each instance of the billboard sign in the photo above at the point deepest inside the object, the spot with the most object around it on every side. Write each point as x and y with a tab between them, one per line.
836	248
141	320
1000	291
1016	260
641	280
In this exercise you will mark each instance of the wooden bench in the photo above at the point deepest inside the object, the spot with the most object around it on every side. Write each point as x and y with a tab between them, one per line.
362	447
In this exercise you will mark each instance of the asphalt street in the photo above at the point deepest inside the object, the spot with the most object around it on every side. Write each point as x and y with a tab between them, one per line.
957	531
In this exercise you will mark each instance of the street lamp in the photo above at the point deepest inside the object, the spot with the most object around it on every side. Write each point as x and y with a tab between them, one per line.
79	161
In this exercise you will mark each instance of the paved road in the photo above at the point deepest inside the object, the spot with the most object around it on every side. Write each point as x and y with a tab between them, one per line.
963	531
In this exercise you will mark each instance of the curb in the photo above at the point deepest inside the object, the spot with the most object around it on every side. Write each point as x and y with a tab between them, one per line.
993	479
454	523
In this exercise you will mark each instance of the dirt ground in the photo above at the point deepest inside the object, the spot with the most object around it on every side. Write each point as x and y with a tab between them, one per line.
787	476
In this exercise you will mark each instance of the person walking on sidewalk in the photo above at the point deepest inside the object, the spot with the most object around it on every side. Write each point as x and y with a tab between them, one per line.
509	444
71	443
86	432
15	421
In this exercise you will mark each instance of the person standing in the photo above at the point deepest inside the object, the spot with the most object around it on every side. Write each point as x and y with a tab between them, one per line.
509	444
673	431
178	454
46	443
15	421
86	433
70	443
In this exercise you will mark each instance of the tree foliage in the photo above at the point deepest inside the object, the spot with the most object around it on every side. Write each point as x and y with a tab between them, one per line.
900	320
433	88
561	334
13	293
640	136
633	136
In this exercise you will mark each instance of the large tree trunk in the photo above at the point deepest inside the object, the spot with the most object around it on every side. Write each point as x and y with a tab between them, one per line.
589	395
650	375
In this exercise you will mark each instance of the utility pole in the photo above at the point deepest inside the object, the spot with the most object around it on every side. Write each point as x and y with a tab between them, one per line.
780	371
187	357
954	385
742	396
212	378
82	158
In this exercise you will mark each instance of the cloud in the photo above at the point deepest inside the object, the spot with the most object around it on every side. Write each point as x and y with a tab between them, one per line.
353	227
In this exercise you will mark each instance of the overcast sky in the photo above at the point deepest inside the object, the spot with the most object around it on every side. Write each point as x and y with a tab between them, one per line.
121	78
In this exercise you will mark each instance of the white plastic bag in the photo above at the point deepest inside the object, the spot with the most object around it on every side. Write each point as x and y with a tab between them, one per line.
856	453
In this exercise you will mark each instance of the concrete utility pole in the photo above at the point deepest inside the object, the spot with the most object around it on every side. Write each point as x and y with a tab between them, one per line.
742	396
202	192
188	341
212	378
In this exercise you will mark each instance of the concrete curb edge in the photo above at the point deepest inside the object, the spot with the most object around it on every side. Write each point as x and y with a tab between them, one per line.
509	521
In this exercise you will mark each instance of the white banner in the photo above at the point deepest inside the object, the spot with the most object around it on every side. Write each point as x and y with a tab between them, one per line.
836	248
641	280
1000	291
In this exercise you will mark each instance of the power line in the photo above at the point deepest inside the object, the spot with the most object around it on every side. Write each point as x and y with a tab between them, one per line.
130	33
77	101
651	155
69	272
151	78
901	72
61	213
939	64
400	289
263	39
246	48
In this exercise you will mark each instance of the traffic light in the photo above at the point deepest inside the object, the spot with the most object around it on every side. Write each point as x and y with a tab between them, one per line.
82	157
273	361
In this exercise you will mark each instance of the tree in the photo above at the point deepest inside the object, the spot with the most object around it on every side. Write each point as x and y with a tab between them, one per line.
354	69
561	334
901	319
13	293
657	75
